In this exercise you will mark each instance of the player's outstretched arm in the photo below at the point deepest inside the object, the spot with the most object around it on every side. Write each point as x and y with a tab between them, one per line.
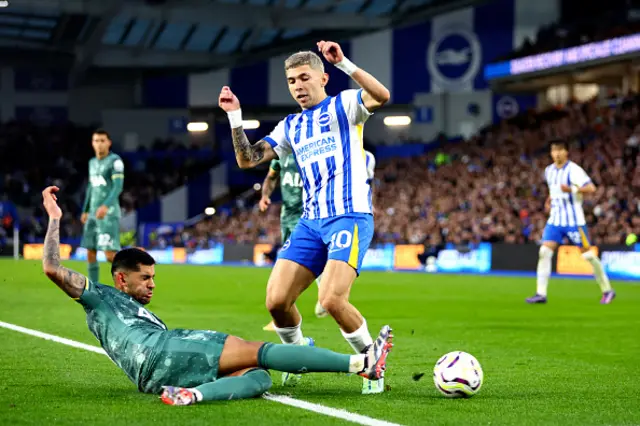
69	281
250	155
374	93
247	155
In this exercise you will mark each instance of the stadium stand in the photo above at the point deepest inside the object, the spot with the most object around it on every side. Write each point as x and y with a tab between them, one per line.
34	156
580	23
480	193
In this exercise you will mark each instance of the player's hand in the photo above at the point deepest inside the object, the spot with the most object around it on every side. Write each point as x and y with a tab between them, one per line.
264	204
50	202
227	100
331	51
84	218
565	188
101	212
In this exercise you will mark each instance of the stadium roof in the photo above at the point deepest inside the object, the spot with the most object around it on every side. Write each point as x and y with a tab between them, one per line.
190	34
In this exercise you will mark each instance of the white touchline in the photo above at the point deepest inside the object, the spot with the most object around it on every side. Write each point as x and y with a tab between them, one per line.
328	411
316	408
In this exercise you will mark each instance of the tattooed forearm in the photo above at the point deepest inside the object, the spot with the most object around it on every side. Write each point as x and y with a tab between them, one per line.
51	256
247	155
69	281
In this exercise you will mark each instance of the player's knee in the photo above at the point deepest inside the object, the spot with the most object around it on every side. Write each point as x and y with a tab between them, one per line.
333	303
545	252
277	302
110	255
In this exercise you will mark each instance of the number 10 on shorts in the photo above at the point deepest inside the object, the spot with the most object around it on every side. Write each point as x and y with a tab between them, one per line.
340	240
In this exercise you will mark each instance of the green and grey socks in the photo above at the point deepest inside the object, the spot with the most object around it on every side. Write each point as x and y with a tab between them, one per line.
308	359
250	385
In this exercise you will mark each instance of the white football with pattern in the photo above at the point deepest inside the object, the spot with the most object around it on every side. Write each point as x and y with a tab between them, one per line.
458	375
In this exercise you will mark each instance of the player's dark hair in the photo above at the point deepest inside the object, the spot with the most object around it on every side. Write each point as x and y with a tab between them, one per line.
102	132
130	259
559	142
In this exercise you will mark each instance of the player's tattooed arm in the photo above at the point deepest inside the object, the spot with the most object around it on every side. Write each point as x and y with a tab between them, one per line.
69	281
248	155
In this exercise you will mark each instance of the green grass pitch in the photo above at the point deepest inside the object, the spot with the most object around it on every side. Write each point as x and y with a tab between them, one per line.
572	361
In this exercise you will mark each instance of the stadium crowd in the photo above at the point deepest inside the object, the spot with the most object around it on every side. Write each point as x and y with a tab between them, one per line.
490	188
35	156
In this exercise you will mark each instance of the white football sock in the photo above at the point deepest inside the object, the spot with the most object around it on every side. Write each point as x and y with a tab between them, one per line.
356	363
197	394
598	271
544	270
290	335
318	280
360	338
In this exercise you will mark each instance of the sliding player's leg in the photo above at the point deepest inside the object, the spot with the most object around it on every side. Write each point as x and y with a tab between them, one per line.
241	366
248	383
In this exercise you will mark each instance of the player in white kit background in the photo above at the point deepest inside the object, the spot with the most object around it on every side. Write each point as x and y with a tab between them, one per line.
568	183
336	227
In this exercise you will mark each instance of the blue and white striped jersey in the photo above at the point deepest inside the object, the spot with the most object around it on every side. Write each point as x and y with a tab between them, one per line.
566	207
371	164
326	142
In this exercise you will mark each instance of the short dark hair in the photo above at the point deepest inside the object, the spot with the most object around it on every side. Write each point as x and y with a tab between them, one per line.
102	132
559	142
130	259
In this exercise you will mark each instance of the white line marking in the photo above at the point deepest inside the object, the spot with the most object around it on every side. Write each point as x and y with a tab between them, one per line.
56	339
328	411
316	408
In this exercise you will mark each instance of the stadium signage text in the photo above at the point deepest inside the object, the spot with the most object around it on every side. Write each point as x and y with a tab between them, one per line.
563	57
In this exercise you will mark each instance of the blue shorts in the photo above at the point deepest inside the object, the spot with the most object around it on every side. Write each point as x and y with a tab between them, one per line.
577	235
314	241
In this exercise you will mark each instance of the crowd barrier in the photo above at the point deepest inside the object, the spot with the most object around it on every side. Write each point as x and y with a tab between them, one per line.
620	262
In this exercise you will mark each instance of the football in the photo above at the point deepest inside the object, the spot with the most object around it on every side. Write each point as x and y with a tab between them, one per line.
458	375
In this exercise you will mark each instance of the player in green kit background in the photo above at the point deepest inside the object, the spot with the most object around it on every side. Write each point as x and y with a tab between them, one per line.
287	172
186	366
101	211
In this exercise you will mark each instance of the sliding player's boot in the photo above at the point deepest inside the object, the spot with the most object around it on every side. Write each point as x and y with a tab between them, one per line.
177	396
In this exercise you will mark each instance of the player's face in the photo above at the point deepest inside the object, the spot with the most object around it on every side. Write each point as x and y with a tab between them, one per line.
306	85
559	154
138	284
101	145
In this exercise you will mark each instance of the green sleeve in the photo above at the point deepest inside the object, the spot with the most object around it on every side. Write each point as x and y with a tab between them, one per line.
117	182
90	297
275	165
